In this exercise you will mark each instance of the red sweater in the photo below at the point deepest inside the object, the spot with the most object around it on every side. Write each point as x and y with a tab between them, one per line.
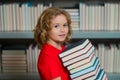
49	64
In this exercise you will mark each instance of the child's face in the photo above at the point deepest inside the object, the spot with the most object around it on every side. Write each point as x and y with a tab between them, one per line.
59	29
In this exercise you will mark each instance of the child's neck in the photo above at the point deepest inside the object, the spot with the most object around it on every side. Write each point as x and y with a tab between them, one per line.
55	44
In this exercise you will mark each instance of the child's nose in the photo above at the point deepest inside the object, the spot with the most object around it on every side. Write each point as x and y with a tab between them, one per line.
62	28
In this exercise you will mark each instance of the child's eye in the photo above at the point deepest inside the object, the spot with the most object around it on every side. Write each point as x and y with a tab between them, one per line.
56	26
65	25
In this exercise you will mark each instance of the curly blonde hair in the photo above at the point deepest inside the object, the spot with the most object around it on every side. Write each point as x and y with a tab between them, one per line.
43	25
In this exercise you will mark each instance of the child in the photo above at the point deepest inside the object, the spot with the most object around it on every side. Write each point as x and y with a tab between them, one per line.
53	29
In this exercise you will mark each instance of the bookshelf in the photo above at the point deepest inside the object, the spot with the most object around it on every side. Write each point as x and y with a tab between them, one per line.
35	76
16	35
16	76
96	35
19	36
76	34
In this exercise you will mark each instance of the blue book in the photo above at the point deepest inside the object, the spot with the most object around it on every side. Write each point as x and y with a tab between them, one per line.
100	75
83	67
90	75
86	70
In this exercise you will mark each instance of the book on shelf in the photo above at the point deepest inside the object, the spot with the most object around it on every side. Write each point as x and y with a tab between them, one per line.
82	63
20	17
14	58
0	55
109	57
32	57
99	16
74	18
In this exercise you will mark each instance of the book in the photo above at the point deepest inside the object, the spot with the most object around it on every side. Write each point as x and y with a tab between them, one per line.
76	53
85	66
77	59
82	63
0	57
71	51
73	47
14	58
90	74
32	57
85	70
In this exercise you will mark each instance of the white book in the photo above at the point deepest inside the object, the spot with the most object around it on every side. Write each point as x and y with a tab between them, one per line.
87	18
94	72
118	58
94	76
32	18
14	17
86	70
77	53
119	17
24	16
5	17
116	16
83	67
101	54
15	51
11	71
102	18
82	11
1	18
29	58
81	62
106	16
10	17
78	58
79	46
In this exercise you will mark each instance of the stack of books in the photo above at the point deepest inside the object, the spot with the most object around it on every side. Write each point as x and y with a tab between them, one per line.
80	60
14	59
